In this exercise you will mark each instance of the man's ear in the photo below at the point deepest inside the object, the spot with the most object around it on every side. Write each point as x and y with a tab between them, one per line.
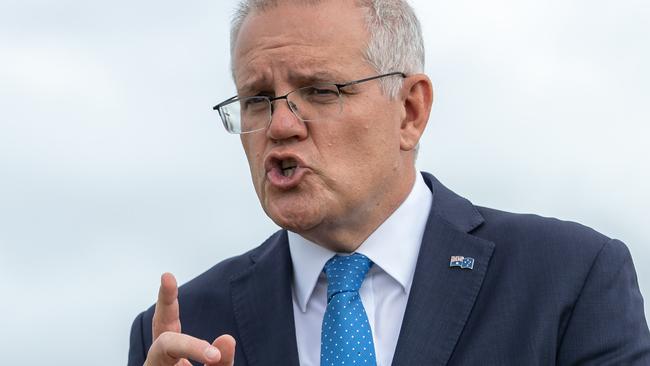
417	97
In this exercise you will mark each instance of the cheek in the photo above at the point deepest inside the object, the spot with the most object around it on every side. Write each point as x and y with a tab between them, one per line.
358	160
371	140
253	147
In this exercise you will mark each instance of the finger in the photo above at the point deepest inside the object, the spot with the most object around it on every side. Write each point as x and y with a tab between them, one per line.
166	318
170	348
183	362
226	345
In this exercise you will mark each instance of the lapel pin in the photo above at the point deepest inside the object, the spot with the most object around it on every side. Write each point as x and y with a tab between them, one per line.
461	262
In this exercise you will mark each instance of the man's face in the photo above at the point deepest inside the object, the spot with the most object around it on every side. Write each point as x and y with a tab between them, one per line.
350	169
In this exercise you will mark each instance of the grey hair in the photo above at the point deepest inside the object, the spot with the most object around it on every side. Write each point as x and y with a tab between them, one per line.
395	36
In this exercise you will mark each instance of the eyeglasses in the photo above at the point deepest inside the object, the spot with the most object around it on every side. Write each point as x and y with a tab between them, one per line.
311	103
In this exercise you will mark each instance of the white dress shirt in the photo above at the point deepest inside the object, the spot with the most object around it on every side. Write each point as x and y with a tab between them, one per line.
393	248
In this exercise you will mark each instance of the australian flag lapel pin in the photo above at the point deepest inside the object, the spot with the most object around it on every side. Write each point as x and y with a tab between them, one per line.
461	262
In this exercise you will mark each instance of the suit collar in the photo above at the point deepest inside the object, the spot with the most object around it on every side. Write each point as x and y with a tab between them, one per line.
459	212
262	305
441	297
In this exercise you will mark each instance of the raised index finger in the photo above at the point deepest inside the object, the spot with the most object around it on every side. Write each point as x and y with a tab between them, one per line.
166	318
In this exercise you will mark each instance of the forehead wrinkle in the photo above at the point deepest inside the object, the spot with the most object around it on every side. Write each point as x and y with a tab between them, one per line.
294	72
272	45
263	59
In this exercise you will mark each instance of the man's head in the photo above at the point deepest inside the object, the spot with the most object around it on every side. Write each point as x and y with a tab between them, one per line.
355	168
394	35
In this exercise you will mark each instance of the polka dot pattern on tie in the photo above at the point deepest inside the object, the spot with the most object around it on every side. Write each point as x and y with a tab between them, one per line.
346	337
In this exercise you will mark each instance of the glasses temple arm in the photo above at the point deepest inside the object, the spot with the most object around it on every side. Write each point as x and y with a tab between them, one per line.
403	75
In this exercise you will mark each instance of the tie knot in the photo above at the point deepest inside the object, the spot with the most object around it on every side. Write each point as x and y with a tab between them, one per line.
346	273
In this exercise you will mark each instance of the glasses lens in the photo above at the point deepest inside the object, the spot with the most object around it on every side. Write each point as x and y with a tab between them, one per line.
246	114
316	102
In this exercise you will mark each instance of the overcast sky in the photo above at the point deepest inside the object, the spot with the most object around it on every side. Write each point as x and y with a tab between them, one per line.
114	168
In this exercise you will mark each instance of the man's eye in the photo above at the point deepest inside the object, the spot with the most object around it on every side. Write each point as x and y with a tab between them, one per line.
319	94
318	91
254	103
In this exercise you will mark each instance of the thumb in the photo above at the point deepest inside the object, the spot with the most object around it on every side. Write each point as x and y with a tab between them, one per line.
226	345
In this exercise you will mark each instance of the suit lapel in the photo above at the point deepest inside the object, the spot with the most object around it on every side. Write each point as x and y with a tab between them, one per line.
441	297
263	308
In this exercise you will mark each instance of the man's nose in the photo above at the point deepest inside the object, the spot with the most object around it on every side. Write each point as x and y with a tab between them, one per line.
285	124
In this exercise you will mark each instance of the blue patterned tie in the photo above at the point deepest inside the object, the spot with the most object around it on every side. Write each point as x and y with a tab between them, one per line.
346	337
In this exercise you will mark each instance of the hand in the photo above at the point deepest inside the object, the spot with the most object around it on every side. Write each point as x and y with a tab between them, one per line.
171	347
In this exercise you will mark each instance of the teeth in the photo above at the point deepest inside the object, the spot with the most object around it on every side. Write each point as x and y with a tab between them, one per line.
288	164
288	172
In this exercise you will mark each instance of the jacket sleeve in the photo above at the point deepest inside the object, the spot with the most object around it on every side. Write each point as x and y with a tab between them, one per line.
137	352
607	325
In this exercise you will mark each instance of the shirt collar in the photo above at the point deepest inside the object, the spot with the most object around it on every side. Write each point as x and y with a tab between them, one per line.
393	246
308	260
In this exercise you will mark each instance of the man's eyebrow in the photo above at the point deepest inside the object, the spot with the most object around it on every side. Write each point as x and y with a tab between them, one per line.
255	85
250	86
316	77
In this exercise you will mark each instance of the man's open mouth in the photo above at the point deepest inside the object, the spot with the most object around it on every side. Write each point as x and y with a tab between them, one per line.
288	167
285	171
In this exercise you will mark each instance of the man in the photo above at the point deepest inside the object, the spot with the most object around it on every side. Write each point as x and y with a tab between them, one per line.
377	264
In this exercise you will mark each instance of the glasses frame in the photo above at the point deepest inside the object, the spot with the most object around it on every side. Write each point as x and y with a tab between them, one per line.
339	86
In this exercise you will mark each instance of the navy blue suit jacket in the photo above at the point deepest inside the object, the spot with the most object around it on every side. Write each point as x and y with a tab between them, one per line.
542	292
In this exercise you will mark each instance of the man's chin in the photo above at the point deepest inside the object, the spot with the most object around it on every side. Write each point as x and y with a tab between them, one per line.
297	224
298	219
299	210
